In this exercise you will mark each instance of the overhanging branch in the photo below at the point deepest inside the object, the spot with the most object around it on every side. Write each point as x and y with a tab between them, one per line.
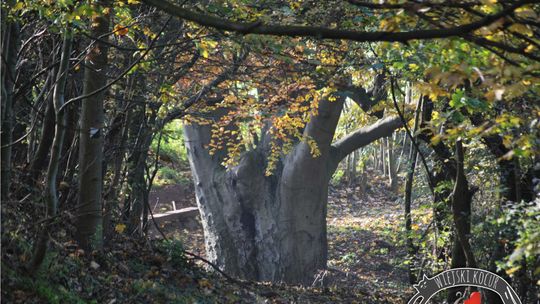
364	136
327	33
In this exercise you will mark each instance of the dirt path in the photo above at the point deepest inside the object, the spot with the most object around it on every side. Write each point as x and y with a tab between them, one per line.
363	240
189	231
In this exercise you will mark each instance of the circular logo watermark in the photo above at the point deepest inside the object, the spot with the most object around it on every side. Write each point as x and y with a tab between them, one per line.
428	287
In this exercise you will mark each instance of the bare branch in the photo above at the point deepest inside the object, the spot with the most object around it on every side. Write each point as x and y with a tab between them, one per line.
413	5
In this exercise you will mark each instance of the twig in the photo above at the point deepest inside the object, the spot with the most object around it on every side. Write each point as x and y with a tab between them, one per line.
216	268
124	73
408	131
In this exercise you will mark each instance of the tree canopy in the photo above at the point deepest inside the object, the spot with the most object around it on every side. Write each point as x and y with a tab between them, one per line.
270	104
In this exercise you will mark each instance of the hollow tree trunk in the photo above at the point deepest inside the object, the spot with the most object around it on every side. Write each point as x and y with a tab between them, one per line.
272	227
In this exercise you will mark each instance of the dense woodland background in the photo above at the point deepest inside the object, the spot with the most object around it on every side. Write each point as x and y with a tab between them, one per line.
335	151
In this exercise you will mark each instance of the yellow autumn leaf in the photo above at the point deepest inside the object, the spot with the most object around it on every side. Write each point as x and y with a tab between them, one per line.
522	29
413	67
526	12
512	270
204	53
120	228
120	30
18	6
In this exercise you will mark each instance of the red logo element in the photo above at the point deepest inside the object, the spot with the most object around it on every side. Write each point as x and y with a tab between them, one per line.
475	298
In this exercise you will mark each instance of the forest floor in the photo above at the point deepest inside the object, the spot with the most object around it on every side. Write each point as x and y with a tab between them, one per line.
365	246
366	252
365	260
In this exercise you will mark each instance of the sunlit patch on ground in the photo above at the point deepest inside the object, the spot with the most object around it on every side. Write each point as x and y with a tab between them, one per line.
365	240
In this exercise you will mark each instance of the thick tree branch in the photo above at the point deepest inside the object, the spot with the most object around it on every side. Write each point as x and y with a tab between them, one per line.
413	5
322	126
367	99
364	136
327	33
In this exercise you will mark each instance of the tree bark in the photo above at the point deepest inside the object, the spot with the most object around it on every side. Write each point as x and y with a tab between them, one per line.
352	160
46	138
509	180
392	174
89	215
10	47
383	156
413	155
51	196
272	227
447	168
137	164
461	207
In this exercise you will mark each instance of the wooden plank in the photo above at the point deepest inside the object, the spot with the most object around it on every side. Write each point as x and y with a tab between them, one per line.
179	214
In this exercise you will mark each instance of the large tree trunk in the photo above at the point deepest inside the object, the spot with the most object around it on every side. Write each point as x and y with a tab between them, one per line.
272	227
89	215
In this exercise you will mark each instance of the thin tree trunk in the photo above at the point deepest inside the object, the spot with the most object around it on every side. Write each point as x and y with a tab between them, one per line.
382	156
392	174
462	254
89	215
445	170
71	152
508	171
137	184
413	155
51	196
111	195
10	47
402	153
351	167
47	134
375	154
